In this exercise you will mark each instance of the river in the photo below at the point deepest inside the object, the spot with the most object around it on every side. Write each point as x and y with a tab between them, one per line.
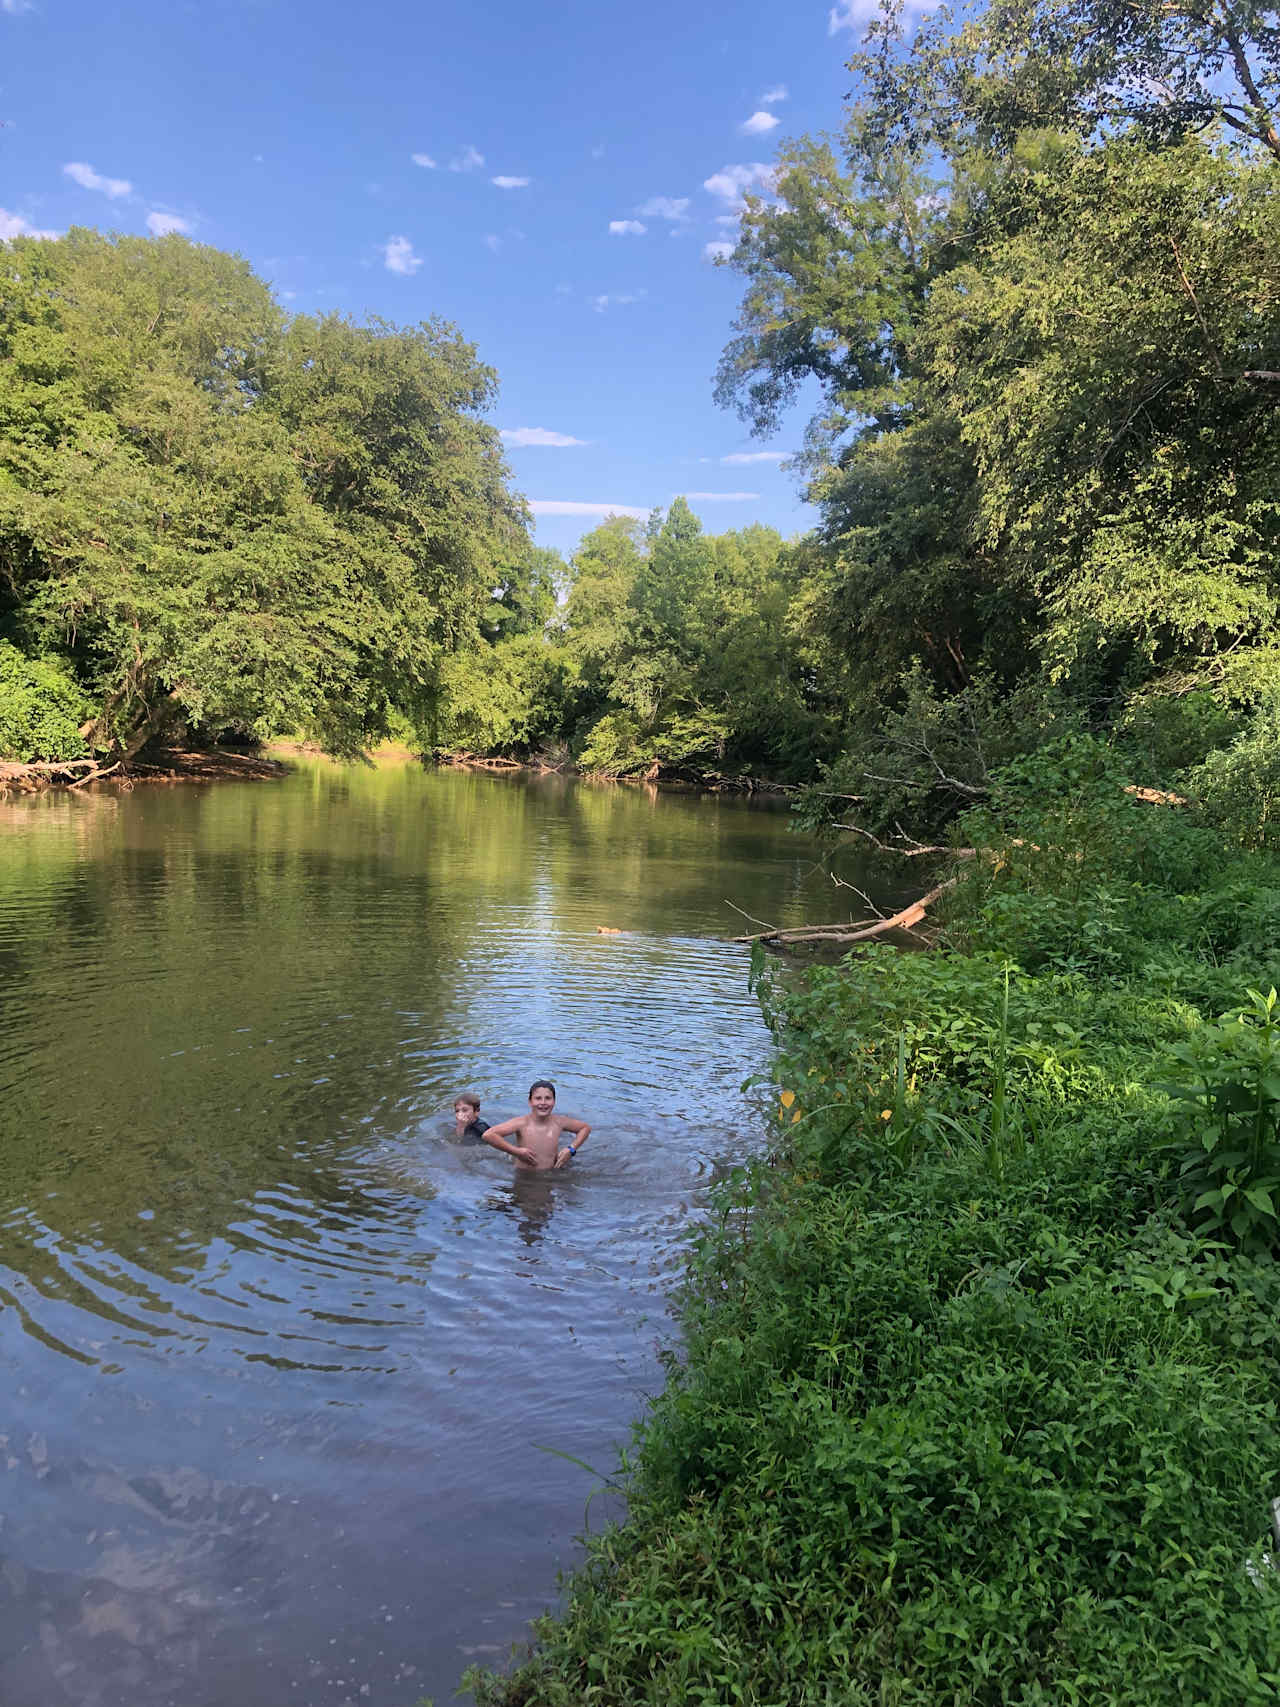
284	1369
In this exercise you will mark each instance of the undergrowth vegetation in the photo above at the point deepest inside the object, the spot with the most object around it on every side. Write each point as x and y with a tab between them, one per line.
977	1396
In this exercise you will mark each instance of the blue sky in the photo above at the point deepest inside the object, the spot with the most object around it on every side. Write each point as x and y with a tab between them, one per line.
548	176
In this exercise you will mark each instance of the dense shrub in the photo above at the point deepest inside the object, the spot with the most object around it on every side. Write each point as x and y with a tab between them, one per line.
41	708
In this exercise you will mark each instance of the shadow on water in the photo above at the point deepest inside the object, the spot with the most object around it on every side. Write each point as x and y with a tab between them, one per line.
278	1353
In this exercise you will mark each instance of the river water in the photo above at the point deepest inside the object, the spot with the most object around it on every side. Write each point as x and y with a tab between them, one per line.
284	1369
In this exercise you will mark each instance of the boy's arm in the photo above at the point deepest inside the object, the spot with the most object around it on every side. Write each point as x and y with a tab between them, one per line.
497	1136
581	1130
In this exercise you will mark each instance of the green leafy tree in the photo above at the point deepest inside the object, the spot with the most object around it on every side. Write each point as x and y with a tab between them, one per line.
226	520
1035	287
525	594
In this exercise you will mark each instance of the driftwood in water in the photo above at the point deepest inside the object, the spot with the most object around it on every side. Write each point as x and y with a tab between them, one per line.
906	919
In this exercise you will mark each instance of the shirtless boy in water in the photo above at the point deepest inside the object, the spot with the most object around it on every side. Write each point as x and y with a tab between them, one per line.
540	1131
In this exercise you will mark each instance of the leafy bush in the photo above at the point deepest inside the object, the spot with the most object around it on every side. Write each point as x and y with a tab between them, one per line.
1238	787
41	708
505	698
1229	1132
1169	734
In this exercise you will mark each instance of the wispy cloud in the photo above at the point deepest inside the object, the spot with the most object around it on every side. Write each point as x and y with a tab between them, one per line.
626	228
760	124
857	14
740	458
539	436
510	183
14	225
771	97
13	7
730	183
492	242
717	251
722	497
575	507
88	179
469	160
600	303
674	208
162	224
423	160
398	256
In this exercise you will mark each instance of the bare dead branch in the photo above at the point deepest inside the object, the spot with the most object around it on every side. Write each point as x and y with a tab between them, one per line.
750	916
903	920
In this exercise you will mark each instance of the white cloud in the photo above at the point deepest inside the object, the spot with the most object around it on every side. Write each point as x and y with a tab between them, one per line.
626	228
771	97
600	303
470	160
510	183
740	457
572	507
398	256
718	251
423	160
856	14
731	182
538	436
13	7
161	224
722	497
493	242
760	124
674	208
14	225
88	179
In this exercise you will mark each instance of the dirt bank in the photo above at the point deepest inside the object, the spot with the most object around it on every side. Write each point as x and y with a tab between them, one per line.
167	765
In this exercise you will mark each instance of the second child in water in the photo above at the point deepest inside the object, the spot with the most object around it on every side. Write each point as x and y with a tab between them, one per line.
540	1132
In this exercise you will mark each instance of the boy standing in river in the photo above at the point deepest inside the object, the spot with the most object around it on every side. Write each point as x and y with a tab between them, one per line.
466	1112
540	1132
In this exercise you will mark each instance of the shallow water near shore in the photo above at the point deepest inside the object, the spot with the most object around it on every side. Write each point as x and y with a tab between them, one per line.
285	1369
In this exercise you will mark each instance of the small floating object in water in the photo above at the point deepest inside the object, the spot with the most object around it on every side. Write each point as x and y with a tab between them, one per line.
608	930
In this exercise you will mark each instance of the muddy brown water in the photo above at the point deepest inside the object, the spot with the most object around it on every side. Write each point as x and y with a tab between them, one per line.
284	1369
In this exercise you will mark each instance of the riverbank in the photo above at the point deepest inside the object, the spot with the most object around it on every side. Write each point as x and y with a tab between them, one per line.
655	775
167	765
977	1398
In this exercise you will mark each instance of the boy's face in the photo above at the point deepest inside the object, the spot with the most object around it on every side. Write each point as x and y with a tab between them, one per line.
467	1111
542	1101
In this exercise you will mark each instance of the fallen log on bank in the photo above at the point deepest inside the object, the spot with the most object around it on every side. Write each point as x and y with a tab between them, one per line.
906	919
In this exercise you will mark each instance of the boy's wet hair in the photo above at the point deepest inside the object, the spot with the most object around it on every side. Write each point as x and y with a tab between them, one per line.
469	1097
541	1085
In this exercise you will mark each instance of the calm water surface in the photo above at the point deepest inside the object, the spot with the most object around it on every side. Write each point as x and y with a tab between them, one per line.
277	1356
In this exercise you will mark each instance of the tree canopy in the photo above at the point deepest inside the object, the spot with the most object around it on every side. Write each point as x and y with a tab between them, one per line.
217	513
1033	285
